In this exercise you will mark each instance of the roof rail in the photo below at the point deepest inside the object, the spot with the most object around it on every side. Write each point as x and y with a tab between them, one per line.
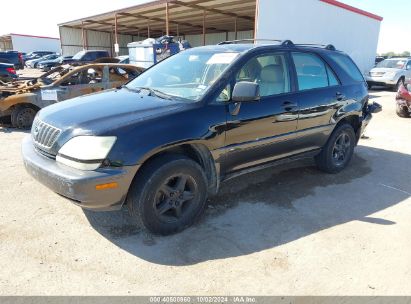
329	47
283	42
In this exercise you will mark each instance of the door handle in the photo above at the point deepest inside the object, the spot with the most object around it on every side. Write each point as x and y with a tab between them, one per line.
339	96
289	105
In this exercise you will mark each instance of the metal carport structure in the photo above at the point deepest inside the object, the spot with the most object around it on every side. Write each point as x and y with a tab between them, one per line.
198	21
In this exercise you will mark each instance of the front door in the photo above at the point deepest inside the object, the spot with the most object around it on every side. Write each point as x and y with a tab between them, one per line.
261	131
87	80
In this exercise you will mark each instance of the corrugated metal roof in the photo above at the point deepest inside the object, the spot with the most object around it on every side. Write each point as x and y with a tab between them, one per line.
185	17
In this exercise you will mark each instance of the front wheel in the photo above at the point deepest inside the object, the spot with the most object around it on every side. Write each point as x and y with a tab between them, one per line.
402	111
22	116
400	82
168	195
337	152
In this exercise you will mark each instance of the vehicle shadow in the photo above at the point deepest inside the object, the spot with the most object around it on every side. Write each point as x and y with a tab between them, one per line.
272	207
5	128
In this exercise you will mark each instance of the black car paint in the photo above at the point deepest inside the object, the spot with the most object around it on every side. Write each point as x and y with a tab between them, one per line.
233	137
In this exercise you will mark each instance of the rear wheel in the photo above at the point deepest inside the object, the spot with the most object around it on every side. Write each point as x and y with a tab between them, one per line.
168	195
337	153
22	116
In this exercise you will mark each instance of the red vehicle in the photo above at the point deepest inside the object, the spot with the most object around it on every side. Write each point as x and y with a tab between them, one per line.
403	99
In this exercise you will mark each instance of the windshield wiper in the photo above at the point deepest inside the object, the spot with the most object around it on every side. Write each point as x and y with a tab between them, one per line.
156	93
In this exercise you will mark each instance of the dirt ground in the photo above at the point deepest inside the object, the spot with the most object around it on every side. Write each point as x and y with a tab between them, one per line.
286	231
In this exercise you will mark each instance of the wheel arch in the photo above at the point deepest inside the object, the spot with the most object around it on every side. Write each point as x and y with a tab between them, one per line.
354	120
195	151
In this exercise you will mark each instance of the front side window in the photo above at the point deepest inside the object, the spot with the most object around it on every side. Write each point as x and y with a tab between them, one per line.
79	55
270	71
187	75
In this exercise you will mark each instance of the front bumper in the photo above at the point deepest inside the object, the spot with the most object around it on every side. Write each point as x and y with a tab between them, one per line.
383	81
77	185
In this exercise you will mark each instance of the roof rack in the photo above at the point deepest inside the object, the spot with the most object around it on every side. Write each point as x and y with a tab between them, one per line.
325	46
282	42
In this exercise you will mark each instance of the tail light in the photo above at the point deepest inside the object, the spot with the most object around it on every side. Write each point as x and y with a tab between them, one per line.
11	70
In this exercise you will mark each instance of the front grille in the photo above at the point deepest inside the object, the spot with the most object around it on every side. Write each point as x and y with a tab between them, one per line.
44	135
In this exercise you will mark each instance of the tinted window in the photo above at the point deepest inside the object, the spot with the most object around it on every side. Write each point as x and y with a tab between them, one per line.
269	71
311	71
348	65
332	79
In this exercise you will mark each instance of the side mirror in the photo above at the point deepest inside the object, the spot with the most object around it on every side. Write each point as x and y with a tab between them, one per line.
245	91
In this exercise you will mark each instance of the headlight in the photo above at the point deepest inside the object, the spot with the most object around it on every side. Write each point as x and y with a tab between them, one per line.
390	74
85	152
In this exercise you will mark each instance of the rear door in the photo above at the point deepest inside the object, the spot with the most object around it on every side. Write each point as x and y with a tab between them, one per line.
117	76
319	96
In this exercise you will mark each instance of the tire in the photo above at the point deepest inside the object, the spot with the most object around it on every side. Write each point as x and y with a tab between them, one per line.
22	116
337	152
169	194
402	111
399	83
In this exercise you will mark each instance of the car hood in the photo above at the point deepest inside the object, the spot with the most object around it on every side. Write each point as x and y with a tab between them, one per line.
385	70
104	112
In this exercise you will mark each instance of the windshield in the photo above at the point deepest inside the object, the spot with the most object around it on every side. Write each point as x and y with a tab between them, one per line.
79	55
392	64
187	75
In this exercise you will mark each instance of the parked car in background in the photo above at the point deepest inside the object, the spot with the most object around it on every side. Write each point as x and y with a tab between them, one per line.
36	54
390	73
163	142
12	57
403	100
49	64
89	56
34	62
125	59
378	59
21	100
7	72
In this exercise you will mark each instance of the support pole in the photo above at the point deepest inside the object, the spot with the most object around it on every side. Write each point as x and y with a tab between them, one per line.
235	28
116	49
204	27
148	29
83	35
111	42
167	21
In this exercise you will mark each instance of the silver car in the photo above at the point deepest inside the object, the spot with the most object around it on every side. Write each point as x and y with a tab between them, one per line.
390	72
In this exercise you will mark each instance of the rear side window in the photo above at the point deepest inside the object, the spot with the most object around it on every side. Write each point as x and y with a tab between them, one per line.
312	72
347	65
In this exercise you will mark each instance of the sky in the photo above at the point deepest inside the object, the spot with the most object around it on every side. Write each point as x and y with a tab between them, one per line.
394	34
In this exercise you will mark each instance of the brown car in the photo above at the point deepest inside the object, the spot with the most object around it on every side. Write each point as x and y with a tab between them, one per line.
21	100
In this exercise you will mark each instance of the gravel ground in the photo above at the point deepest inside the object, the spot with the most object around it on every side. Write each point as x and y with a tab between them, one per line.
291	230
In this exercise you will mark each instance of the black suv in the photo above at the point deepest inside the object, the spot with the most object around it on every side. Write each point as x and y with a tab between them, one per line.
166	140
88	56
